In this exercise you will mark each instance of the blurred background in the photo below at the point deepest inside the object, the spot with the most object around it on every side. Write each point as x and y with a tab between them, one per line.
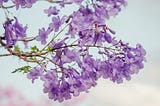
139	22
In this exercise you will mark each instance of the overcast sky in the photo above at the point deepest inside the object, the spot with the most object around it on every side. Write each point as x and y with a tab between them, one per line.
139	22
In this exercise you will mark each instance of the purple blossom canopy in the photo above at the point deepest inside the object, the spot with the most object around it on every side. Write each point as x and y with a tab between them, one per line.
77	48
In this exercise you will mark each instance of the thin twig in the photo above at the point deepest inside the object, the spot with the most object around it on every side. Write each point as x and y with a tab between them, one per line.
7	7
27	39
52	1
54	38
1	55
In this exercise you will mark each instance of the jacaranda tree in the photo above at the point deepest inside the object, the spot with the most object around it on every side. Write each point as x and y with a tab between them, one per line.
75	49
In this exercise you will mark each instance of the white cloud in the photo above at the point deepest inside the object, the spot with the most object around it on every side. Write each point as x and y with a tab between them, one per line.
128	94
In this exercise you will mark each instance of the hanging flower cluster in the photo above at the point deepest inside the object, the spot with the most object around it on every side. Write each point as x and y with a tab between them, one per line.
81	51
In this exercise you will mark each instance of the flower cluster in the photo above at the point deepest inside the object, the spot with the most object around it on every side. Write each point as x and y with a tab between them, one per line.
67	63
2	1
13	32
20	3
76	70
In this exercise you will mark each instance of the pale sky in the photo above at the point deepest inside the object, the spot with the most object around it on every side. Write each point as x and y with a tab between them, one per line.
139	22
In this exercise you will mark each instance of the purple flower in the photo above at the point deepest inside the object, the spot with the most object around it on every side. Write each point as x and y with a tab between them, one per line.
101	12
9	34
51	84
23	3
85	15
70	56
13	32
35	73
64	2
65	90
3	1
43	35
19	29
123	64
91	16
56	23
57	45
51	11
77	1
75	69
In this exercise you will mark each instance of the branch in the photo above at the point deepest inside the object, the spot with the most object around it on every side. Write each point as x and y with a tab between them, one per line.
7	7
52	1
27	39
1	55
54	37
25	54
12	52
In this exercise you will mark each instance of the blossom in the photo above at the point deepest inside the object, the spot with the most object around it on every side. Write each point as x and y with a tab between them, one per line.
77	1
122	65
43	35
117	66
13	31
35	73
69	68
56	45
73	60
10	37
64	2
51	11
3	1
70	56
23	3
57	22
19	29
51	84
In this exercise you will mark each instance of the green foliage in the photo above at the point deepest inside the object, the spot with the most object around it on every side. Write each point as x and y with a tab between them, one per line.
33	58
49	49
17	49
34	49
23	69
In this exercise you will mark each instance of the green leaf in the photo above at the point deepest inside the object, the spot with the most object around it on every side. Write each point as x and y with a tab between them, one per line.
34	49
32	58
49	48
16	48
23	69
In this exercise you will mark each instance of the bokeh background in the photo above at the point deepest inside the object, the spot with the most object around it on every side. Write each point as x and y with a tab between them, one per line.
139	22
